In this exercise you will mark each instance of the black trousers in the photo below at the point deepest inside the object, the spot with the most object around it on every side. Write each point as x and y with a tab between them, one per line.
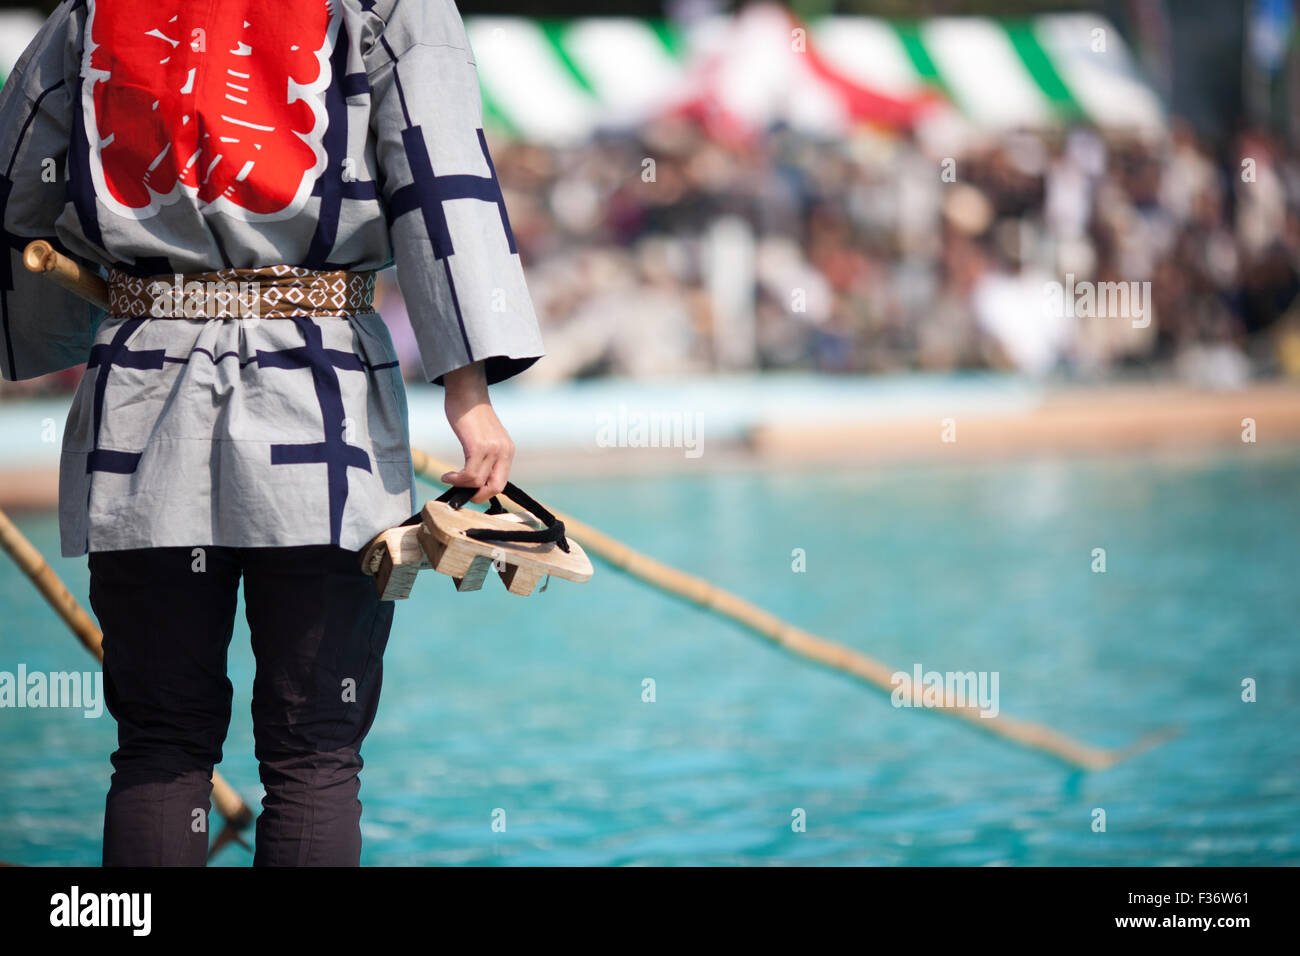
318	635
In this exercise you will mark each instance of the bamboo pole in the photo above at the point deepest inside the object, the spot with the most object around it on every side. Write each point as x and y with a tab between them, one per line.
39	256
809	646
32	563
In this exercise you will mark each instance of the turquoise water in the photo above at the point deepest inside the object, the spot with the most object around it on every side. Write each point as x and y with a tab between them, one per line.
534	706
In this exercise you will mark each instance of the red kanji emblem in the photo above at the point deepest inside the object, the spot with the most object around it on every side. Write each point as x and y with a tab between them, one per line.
229	108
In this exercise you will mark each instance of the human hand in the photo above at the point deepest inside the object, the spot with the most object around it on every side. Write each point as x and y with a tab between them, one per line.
484	440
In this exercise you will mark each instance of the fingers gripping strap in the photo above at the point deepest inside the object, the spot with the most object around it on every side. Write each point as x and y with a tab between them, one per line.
457	497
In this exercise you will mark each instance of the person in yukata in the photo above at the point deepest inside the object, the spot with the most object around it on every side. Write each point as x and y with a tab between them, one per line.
293	148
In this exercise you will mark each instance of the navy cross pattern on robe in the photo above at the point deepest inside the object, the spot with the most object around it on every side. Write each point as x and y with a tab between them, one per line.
428	192
106	357
334	452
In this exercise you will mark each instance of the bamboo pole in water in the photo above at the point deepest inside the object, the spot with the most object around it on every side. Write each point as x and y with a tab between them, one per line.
39	256
32	563
807	645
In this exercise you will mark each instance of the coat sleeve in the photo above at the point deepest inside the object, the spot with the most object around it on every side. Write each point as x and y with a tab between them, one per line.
43	328
457	264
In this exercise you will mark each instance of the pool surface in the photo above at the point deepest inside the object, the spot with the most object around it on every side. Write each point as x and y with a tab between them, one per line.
531	709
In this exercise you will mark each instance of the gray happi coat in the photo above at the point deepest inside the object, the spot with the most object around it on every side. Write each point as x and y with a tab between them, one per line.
330	134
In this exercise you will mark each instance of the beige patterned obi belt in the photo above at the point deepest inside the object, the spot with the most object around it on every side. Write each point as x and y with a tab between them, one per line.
269	292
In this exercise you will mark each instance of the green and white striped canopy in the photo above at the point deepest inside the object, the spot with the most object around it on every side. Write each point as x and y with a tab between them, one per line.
557	81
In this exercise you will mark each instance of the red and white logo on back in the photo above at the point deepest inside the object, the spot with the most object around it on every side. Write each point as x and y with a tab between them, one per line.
227	109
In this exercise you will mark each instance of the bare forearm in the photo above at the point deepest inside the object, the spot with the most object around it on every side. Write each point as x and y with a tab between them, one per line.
488	448
465	388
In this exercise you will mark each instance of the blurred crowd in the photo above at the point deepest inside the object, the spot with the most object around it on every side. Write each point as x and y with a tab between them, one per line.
673	251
